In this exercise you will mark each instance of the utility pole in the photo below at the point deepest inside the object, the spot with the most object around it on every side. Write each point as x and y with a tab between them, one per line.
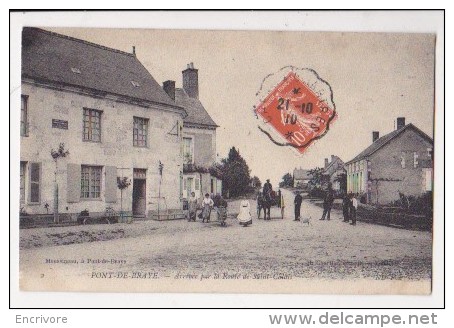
161	167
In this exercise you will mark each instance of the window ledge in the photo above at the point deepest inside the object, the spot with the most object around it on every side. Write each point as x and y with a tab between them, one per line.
91	141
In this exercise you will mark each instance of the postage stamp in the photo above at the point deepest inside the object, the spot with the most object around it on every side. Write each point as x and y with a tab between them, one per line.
300	108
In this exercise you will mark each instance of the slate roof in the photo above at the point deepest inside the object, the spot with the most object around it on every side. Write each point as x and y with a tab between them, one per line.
196	113
300	174
52	58
386	139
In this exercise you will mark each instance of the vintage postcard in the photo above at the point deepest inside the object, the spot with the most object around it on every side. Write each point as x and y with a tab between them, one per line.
219	161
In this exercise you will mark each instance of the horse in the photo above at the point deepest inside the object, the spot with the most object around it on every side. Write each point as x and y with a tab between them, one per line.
265	201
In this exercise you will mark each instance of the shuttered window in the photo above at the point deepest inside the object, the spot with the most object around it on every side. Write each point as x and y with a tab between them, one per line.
73	183
111	184
24	116
23	168
188	151
35	182
90	185
197	184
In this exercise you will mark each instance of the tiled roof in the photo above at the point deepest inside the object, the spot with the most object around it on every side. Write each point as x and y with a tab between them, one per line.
63	60
197	114
385	139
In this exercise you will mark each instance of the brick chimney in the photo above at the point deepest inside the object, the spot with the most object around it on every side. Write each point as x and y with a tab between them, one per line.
326	162
400	123
169	88
375	136
191	81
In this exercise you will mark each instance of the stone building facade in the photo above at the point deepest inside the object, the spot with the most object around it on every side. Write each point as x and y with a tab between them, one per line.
399	162
199	138
333	170
113	118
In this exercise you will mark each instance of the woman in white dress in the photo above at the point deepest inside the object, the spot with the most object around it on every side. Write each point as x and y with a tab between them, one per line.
245	218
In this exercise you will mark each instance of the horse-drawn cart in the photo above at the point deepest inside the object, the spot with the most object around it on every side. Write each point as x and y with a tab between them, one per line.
268	200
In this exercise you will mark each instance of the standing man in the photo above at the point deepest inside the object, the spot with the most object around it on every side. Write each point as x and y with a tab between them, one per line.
346	207
328	203
297	202
279	196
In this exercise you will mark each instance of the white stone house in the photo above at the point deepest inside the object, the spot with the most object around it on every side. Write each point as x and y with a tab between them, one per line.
112	116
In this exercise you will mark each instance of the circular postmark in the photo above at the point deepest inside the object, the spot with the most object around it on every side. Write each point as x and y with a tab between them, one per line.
295	107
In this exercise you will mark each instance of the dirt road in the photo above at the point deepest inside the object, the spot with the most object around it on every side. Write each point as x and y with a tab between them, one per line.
322	250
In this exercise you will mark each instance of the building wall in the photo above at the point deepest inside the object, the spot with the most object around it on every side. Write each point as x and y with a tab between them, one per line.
204	153
204	145
357	177
387	164
302	183
200	184
388	175
115	150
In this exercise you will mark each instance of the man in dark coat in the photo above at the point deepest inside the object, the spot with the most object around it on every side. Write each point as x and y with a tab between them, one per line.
297	202
327	204
346	207
267	187
279	196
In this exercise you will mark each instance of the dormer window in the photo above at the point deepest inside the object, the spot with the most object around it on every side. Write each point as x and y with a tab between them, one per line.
135	84
75	70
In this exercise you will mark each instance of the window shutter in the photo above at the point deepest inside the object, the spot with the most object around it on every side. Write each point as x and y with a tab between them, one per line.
35	183
111	184
197	184
73	183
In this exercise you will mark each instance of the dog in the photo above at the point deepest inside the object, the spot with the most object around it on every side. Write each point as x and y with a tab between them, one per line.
306	220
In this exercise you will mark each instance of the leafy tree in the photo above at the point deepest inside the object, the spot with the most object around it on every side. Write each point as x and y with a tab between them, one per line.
255	181
122	183
235	174
317	177
287	180
342	179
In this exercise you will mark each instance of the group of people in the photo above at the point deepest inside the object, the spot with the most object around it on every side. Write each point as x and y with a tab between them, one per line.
349	206
207	205
328	201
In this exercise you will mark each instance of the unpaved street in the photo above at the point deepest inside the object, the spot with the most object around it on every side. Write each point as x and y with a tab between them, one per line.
325	249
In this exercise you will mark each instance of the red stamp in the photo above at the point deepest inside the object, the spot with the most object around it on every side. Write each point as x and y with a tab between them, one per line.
298	111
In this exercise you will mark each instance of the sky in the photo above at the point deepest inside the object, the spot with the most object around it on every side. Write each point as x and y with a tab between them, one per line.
375	78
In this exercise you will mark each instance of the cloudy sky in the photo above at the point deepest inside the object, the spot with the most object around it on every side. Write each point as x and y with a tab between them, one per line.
375	77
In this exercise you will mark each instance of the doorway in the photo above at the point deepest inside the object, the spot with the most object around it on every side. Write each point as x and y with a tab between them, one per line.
139	193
